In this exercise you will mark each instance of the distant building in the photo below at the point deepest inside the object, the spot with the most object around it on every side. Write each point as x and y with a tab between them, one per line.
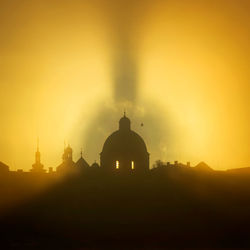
81	164
3	168
37	167
124	150
67	165
202	166
175	165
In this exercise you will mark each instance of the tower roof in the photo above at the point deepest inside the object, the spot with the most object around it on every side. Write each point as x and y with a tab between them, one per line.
81	162
95	165
124	123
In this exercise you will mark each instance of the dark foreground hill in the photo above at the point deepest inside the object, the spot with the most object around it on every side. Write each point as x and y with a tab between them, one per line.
167	208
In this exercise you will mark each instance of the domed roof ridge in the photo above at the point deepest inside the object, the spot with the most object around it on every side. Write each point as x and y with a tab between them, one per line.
119	139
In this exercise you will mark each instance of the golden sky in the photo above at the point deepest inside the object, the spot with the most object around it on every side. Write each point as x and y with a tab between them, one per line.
69	68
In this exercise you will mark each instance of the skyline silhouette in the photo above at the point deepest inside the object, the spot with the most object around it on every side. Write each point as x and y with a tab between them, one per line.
180	69
96	209
124	150
122	203
172	171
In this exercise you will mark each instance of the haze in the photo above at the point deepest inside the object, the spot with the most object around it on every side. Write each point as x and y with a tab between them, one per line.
69	68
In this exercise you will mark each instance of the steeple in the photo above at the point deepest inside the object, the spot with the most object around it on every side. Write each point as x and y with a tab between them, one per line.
67	155
37	166
37	155
37	144
81	163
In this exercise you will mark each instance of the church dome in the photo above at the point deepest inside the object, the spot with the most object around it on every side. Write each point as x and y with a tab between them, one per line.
125	149
124	123
128	142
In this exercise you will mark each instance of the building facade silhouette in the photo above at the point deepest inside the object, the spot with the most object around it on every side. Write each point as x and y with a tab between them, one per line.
67	165
124	150
3	168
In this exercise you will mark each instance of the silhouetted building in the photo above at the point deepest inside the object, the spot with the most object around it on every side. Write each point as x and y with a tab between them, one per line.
124	150
37	167
202	166
168	165
239	170
81	164
68	165
3	168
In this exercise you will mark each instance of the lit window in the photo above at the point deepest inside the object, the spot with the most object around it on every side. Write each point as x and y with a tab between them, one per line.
117	164
132	165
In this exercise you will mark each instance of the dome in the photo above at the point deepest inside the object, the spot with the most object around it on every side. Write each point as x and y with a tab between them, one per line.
124	123
124	149
128	142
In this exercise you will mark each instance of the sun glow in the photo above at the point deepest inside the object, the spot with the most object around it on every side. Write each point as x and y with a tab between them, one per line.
186	61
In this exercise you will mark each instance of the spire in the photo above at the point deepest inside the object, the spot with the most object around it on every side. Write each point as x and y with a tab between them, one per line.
64	153
81	152
37	166
124	112
37	144
37	155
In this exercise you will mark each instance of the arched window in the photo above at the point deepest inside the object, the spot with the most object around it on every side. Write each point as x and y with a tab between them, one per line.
132	165
117	164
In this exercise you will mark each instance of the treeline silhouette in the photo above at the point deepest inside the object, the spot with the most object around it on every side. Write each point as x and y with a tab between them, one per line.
166	207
